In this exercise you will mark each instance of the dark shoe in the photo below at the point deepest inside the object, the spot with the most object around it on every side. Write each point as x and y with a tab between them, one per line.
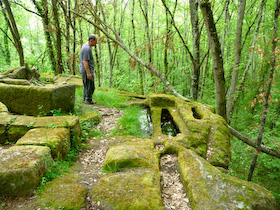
90	102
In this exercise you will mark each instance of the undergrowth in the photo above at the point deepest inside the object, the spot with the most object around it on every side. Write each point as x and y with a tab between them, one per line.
131	123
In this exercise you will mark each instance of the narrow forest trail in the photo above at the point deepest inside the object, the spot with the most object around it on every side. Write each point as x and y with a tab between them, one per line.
89	167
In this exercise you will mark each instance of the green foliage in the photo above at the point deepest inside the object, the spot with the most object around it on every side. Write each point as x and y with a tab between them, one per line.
89	131
111	168
110	98
130	123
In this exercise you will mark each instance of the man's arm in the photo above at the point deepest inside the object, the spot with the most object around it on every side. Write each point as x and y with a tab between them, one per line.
85	62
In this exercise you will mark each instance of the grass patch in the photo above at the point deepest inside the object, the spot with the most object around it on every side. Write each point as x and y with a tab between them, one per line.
111	168
130	123
110	98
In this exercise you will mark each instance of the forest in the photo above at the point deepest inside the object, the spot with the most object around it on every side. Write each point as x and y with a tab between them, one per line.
224	53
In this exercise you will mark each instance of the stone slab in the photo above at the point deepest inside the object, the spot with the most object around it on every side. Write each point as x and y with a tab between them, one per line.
57	139
136	190
132	155
37	100
63	193
21	169
209	188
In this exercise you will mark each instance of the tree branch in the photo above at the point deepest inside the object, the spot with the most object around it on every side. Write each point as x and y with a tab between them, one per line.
28	10
250	142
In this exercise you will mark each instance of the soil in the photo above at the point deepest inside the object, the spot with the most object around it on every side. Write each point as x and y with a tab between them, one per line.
89	166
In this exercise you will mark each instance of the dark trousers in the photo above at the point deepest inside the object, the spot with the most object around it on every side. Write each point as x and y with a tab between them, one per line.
89	87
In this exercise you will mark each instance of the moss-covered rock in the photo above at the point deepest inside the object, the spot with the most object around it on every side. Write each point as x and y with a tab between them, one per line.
90	117
132	154
21	169
3	108
57	139
37	100
135	190
15	81
209	188
161	100
71	122
201	130
19	126
71	79
63	193
22	72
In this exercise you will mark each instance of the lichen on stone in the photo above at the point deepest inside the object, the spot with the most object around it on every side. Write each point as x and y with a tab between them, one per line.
139	189
21	169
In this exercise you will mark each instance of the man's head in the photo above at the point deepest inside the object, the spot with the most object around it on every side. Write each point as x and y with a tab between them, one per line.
92	40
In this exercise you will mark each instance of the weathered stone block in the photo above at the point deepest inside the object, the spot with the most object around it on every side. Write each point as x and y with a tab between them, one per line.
131	155
135	190
209	188
71	79
63	193
3	108
161	100
15	81
37	100
21	169
70	122
57	139
19	126
21	72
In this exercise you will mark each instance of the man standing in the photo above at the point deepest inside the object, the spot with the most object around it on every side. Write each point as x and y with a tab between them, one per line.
87	69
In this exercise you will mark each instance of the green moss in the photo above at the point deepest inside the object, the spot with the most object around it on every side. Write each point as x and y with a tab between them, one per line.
57	139
16	132
3	108
64	193
21	169
209	188
161	100
135	190
131	155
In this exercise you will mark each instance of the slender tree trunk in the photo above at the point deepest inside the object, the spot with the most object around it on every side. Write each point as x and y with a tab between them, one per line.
218	67
166	45
6	48
14	30
44	13
238	49
196	49
59	68
204	77
270	78
250	60
147	27
138	67
226	21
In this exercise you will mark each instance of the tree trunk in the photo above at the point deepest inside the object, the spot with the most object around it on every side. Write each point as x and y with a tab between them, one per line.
218	67
59	68
196	49
147	27
138	67
270	78
250	60
238	49
14	30
44	14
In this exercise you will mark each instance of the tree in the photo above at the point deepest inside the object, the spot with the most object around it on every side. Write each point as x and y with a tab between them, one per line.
238	49
218	68
9	17
59	67
268	88
42	8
